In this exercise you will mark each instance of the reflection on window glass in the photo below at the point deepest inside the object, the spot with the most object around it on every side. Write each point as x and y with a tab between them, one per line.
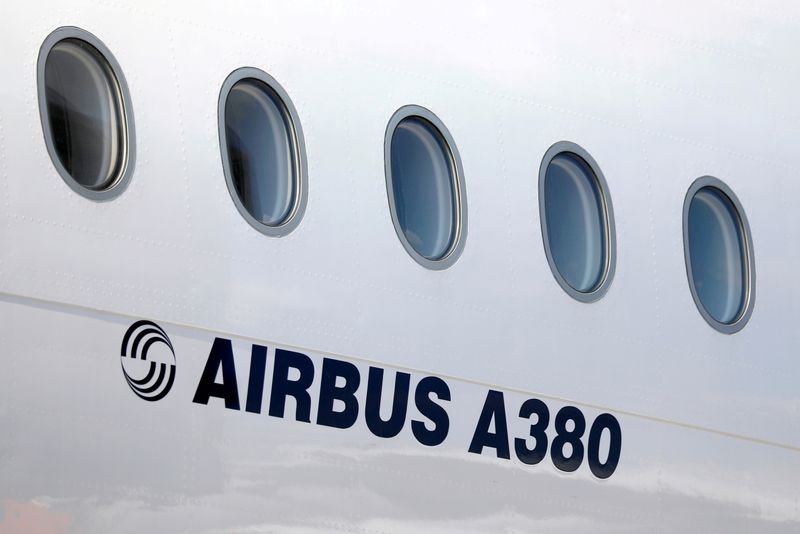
423	185
717	254
576	221
261	151
86	114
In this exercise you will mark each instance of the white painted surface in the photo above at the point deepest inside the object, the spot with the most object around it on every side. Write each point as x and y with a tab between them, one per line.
658	93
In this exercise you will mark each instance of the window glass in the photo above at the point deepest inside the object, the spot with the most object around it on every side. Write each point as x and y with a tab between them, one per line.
575	221
717	253
423	187
261	151
85	114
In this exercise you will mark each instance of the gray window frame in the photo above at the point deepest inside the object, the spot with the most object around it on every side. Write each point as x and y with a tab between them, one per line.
609	230
749	263
297	142
121	182
458	188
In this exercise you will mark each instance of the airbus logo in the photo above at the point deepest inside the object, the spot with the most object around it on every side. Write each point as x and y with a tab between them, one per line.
337	393
149	382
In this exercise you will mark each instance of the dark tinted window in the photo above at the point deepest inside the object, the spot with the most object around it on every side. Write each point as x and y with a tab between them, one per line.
262	153
85	114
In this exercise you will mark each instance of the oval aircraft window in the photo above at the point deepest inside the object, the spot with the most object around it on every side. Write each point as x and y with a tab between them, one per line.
425	186
86	113
719	256
577	221
262	151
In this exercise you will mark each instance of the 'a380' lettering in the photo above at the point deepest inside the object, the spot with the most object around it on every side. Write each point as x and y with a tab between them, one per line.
566	449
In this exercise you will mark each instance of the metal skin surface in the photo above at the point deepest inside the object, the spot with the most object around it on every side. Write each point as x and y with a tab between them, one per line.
658	93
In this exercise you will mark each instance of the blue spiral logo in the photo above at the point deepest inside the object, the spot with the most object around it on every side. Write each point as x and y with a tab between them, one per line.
158	380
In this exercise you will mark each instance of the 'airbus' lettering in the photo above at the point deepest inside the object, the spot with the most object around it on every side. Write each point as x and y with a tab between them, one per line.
337	404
